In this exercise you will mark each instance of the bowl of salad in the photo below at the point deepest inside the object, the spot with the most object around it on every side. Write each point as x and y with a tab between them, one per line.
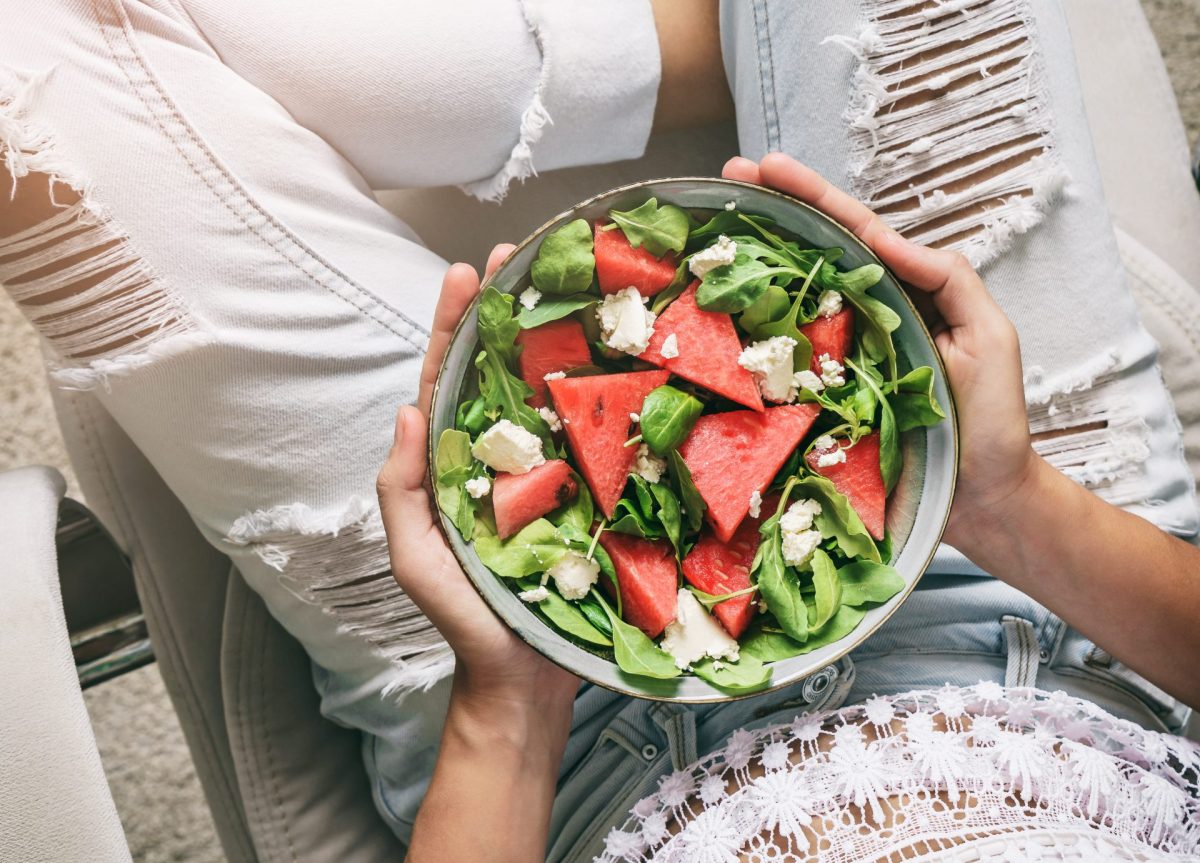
693	442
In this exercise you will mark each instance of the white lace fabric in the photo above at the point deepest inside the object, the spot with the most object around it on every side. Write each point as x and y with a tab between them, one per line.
980	773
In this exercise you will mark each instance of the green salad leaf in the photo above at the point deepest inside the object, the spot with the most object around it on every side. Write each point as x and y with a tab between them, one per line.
788	325
590	608
568	617
837	518
863	581
453	465
913	402
652	512
876	319
565	263
775	579
890	460
659	229
726	222
772	645
578	513
500	389
634	651
667	417
737	286
472	416
551	308
828	595
533	549
692	505
773	305
745	675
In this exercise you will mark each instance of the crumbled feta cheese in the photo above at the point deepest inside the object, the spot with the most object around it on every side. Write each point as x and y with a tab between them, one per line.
720	253
796	529
478	487
529	297
694	634
625	323
755	504
649	466
551	418
635	418
535	595
731	205
829	304
508	447
670	347
574	575
771	362
837	455
824	442
833	373
808	380
554	376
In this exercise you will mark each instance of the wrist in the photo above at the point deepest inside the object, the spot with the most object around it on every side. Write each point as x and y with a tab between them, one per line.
529	719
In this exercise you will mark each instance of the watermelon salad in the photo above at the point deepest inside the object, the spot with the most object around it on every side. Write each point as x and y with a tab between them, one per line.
679	442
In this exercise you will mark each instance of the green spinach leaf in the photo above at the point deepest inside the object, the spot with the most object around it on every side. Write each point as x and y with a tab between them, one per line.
838	519
772	646
659	229
788	325
535	548
773	305
578	513
774	579
565	263
745	675
735	287
828	594
913	402
567	617
595	615
550	308
863	581
667	417
453	466
634	652
692	505
499	388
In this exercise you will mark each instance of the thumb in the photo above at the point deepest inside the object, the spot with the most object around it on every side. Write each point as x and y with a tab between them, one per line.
401	481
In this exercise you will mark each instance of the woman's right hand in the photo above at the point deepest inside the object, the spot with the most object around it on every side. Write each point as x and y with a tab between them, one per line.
998	468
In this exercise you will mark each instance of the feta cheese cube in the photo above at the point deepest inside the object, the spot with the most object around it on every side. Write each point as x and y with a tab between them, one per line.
554	376
649	466
829	304
478	487
529	297
837	455
635	418
796	529
731	205
626	324
755	504
574	575
551	418
824	442
536	595
808	380
771	363
720	253
833	373
695	634
508	447
670	347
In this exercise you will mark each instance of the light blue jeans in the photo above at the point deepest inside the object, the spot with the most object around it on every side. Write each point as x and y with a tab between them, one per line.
1046	249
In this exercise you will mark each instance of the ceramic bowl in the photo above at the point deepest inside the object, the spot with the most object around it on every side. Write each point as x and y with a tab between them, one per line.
917	508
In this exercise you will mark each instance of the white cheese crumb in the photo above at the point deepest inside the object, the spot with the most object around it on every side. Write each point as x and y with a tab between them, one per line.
837	455
551	418
833	373
799	537
694	634
635	418
824	442
478	487
574	575
535	595
508	447
649	466
829	304
554	376
755	504
720	253
625	323
771	362
731	205
670	347
807	379
529	297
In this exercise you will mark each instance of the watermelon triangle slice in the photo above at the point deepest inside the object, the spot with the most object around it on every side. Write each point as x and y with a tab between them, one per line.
648	578
708	350
595	413
619	265
518	499
558	346
719	567
734	454
832	335
860	480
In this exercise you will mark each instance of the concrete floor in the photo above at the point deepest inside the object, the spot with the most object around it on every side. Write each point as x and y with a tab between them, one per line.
149	768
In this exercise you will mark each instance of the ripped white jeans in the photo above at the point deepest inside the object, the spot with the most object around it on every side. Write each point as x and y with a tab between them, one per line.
252	316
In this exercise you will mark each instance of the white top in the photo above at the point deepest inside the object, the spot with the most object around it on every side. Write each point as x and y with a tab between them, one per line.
978	774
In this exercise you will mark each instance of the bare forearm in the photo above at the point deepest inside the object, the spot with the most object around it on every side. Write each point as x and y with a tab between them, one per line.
1115	577
494	783
693	90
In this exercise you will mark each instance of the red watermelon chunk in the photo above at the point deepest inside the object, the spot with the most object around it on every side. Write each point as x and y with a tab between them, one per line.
595	413
708	350
832	335
648	580
619	265
518	499
734	454
860	480
558	346
718	568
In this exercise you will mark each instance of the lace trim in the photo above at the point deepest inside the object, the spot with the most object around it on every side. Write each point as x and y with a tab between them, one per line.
980	773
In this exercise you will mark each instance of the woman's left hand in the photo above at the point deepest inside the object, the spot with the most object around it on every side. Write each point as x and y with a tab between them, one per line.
493	665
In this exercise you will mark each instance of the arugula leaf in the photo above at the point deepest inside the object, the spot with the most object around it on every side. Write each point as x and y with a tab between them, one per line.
863	581
692	505
745	675
660	229
876	319
788	325
711	600
771	306
565	263
472	417
452	466
634	652
913	402
566	617
678	285
725	222
837	518
667	417
771	646
770	573
499	388
890	460
535	548
669	515
735	287
550	308
828	590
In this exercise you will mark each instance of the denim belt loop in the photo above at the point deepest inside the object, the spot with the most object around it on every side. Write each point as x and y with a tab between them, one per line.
1024	651
678	725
